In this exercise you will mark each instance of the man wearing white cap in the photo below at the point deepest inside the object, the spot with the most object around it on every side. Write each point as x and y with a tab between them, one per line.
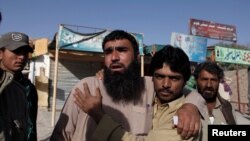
18	96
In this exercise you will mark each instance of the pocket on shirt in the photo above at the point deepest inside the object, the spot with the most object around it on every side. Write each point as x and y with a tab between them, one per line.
141	119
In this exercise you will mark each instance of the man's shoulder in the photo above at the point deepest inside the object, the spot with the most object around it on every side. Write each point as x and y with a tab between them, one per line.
9	84
27	80
148	79
15	87
90	80
186	91
5	79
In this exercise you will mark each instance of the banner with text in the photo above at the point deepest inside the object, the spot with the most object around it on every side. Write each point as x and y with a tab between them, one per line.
195	47
92	42
212	30
152	49
231	55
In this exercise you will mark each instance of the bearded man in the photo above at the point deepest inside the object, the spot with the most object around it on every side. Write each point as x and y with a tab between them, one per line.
126	97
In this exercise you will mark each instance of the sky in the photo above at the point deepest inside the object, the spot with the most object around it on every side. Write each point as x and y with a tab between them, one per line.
155	19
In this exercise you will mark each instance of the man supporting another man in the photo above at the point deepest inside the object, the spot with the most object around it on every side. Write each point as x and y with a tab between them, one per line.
170	68
127	97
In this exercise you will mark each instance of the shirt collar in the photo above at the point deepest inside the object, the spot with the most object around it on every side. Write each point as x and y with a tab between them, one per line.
171	105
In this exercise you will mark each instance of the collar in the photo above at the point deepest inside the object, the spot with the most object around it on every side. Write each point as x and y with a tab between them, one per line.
217	104
18	76
172	106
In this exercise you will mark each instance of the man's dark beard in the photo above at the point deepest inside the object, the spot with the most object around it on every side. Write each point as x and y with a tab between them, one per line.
127	86
208	97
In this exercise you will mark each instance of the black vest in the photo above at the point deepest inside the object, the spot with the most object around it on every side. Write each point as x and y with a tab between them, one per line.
226	109
13	113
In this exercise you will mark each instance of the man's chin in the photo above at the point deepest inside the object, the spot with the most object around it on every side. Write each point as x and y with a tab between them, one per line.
17	69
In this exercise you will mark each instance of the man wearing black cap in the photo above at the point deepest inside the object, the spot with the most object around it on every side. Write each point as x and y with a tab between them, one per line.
14	96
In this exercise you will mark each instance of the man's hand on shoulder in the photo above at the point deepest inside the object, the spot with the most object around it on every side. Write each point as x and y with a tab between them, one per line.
188	121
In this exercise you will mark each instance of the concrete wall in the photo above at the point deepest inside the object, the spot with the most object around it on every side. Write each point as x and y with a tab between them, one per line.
239	86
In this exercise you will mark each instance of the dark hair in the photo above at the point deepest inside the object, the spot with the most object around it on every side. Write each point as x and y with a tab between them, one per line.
120	34
210	67
176	58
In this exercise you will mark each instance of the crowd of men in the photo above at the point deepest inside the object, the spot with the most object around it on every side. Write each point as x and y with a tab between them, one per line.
120	106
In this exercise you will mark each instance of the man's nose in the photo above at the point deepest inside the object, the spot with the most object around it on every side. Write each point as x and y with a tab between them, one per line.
166	82
115	56
209	83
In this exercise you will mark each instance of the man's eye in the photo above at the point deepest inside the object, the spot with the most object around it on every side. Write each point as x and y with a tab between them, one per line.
157	76
107	51
175	78
121	49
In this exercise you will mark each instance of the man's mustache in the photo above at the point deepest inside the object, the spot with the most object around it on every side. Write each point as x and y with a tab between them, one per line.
208	89
116	65
166	91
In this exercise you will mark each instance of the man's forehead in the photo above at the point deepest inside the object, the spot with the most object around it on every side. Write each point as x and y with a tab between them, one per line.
121	42
167	72
205	73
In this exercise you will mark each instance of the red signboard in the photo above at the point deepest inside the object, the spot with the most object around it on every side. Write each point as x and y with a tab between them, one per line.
212	30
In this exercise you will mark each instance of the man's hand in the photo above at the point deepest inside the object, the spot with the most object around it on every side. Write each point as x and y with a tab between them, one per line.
88	103
99	74
188	121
